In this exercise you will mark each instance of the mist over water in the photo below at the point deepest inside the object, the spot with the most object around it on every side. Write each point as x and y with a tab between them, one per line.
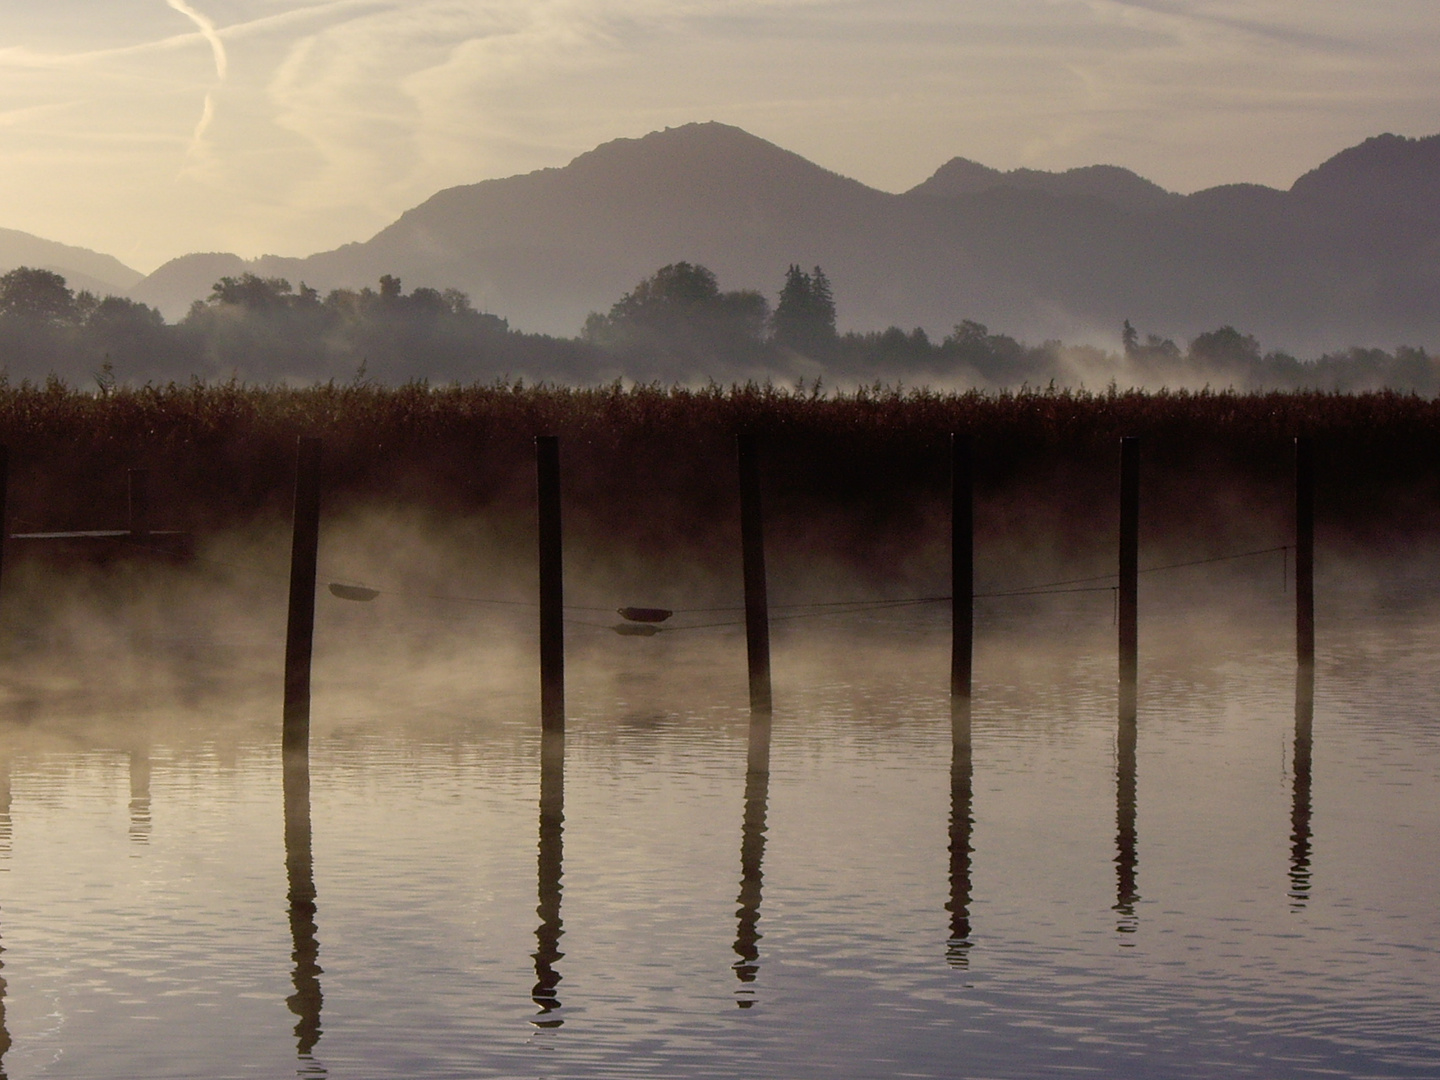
1245	888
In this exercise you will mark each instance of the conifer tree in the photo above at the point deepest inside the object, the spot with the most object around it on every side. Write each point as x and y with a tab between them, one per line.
804	318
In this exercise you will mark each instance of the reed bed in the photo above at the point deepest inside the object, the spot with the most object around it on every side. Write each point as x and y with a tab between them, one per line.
648	461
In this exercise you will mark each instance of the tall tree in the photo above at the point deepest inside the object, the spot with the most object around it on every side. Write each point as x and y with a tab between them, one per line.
804	318
680	311
36	295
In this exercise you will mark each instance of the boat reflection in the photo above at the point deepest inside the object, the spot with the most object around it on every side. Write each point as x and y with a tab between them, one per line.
1126	859
752	853
957	950
307	999
551	869
1300	797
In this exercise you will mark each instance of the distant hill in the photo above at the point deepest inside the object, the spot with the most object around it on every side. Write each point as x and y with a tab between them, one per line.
1108	183
546	248
177	284
81	268
1350	255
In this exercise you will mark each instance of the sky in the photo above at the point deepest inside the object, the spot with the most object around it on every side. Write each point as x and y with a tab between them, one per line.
147	129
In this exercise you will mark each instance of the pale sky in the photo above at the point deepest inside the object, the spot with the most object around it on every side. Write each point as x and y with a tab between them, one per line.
151	128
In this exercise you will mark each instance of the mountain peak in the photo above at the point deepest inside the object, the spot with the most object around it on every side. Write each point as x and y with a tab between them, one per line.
1404	172
698	153
1108	183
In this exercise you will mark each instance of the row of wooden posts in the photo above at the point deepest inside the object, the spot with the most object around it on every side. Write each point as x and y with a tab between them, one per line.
299	640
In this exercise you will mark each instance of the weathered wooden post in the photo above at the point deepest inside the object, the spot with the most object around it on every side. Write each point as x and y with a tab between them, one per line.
1129	573
300	630
962	567
1126	849
552	586
1305	552
752	545
139	518
4	492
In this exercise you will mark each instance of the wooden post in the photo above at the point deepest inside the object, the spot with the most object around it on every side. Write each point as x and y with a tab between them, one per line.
752	544
300	630
1305	552
4	492
962	567
552	586
139	519
1129	573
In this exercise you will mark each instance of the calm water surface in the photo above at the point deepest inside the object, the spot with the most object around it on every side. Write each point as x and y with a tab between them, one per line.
676	892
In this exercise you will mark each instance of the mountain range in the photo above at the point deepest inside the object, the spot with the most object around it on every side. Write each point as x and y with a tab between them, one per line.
1350	254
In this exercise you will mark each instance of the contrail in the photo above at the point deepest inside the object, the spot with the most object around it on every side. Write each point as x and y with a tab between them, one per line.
217	47
207	28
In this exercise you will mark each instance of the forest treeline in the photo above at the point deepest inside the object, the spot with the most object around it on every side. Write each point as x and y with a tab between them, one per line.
675	326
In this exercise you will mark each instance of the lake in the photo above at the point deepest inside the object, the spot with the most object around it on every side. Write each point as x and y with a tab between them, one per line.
1246	889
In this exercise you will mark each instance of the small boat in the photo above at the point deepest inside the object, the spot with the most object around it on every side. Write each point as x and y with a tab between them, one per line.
645	614
353	592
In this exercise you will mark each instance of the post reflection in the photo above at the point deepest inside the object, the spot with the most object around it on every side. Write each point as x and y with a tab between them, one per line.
752	853
4	808
551	869
4	854
1300	798
957	950
307	999
140	795
1126	860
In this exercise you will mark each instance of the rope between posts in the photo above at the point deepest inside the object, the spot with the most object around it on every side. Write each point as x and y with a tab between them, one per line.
1065	586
